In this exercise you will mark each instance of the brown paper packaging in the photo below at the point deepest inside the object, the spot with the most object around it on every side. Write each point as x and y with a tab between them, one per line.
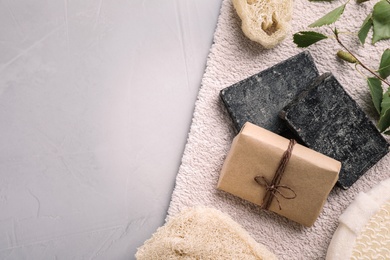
256	151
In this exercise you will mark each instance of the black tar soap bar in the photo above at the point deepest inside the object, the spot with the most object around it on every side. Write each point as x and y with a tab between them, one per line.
329	121
259	98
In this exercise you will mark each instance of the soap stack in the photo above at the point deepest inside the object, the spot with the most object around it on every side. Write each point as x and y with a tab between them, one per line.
337	141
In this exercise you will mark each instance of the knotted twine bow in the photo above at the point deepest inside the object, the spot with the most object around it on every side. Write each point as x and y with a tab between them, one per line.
273	188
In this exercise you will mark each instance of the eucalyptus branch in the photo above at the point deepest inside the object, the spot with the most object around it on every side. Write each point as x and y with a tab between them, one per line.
359	62
379	21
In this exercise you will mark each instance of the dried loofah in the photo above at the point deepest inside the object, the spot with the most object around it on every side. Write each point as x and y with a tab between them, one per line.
265	21
202	233
364	228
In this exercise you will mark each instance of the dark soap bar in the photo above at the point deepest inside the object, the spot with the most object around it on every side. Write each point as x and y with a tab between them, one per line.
329	121
259	98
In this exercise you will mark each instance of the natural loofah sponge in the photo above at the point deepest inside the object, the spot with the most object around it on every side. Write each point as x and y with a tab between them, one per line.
202	233
265	21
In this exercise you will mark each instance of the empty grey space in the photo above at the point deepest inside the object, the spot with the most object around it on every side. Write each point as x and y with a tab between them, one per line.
96	101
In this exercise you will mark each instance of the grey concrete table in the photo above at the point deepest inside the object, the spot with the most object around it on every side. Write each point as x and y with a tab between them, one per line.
96	100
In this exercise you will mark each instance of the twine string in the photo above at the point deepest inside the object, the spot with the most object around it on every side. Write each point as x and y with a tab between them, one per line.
273	188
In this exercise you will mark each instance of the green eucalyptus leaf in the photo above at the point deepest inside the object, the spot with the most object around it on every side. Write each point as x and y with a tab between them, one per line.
381	11
385	101
384	120
376	92
384	67
366	26
330	17
305	39
381	21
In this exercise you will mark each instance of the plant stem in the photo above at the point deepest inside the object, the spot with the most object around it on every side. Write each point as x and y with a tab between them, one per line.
360	63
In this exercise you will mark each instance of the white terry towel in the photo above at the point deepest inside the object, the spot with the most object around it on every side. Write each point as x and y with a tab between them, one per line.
234	57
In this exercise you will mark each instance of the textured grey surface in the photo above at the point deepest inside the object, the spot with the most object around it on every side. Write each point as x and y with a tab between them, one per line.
89	149
259	98
329	121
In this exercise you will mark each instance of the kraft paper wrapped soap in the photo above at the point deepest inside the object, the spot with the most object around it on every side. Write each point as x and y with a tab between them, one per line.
302	186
